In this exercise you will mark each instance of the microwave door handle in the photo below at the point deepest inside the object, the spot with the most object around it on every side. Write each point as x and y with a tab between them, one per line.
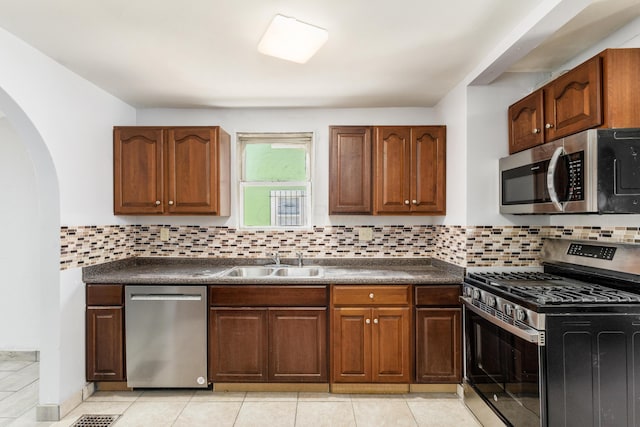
551	174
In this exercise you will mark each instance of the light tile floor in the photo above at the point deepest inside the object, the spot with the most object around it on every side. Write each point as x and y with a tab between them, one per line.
192	408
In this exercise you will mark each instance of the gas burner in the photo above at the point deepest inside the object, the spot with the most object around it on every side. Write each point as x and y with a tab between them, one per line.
514	276
574	293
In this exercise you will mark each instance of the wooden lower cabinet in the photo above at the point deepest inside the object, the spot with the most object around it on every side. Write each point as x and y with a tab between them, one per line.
104	323
268	345
371	345
105	352
438	345
438	334
238	345
298	345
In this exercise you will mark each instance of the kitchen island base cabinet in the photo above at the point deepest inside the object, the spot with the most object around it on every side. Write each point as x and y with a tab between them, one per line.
105	333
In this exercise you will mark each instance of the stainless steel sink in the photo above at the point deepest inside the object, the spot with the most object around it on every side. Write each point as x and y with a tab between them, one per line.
282	271
250	272
298	272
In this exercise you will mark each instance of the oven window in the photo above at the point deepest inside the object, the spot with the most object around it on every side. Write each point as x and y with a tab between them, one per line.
504	370
525	184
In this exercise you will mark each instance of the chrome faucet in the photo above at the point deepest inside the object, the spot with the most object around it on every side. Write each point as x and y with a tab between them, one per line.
276	258
299	255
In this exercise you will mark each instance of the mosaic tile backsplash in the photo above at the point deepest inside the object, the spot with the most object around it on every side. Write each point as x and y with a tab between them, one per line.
466	246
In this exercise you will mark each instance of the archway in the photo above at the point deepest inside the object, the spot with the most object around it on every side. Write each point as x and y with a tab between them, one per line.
45	256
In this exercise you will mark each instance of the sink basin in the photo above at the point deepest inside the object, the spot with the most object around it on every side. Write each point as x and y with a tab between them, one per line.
284	271
250	272
298	272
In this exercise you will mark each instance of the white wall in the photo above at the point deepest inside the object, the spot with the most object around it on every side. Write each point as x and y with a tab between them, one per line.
65	123
292	120
488	141
452	112
19	286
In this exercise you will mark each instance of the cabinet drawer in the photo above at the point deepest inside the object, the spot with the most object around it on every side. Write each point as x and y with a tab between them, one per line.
105	295
268	296
371	295
438	295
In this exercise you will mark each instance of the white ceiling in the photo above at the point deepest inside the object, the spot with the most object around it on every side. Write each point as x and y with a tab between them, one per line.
199	53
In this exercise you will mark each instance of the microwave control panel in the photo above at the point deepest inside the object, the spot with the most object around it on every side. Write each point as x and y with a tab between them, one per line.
575	162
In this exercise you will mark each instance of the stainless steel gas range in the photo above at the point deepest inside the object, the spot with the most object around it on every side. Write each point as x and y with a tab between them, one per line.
559	347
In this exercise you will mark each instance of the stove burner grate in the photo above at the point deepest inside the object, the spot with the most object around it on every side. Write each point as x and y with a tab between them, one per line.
571	293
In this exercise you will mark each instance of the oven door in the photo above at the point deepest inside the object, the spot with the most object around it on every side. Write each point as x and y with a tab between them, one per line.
504	369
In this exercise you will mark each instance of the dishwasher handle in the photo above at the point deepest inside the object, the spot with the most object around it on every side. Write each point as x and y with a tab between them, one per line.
166	297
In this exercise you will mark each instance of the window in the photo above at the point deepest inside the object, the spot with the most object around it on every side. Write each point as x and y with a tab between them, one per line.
275	180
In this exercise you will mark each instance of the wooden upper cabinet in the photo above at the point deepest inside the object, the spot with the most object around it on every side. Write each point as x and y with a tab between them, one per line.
181	170
574	101
138	172
603	92
526	122
350	170
410	170
428	170
392	169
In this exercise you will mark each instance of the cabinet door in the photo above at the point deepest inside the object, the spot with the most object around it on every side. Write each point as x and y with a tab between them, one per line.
392	169
138	155
350	170
428	169
105	344
351	345
390	345
573	102
438	345
238	345
526	122
298	345
192	170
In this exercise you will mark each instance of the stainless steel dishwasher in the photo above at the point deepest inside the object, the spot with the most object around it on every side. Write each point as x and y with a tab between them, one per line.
166	336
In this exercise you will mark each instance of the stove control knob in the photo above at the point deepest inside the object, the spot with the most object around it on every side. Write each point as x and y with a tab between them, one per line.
508	310
468	291
476	294
520	314
491	301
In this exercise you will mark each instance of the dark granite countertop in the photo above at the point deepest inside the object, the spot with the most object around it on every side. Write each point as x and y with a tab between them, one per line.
210	271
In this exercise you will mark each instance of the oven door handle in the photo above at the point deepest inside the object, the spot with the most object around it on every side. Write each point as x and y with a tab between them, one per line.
529	334
551	175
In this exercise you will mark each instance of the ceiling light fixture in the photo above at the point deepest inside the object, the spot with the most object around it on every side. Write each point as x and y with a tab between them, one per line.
293	40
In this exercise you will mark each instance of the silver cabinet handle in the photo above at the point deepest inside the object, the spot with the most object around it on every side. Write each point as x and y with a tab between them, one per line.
170	202
166	297
551	174
367	321
375	321
371	295
414	201
548	126
406	202
536	130
158	202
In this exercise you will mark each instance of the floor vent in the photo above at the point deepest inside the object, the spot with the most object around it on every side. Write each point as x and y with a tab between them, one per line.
95	421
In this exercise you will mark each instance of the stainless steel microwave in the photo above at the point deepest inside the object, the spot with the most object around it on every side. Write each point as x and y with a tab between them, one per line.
595	171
